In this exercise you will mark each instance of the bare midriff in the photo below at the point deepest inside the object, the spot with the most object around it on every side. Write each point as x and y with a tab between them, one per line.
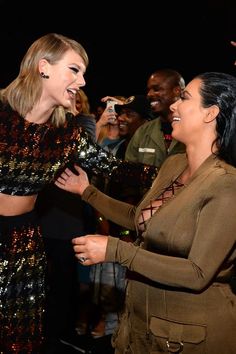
12	205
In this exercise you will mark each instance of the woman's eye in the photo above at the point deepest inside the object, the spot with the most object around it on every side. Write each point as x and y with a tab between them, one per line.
75	70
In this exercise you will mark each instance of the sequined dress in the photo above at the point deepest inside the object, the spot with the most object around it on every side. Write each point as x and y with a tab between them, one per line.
30	156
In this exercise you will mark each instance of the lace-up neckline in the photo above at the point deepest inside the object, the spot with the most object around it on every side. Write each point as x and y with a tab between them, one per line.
155	204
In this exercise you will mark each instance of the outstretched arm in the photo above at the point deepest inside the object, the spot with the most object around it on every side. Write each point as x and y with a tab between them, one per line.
119	212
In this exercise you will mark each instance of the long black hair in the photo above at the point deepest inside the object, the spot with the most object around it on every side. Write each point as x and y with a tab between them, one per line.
220	89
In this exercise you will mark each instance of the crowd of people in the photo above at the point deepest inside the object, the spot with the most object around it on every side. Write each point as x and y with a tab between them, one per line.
146	202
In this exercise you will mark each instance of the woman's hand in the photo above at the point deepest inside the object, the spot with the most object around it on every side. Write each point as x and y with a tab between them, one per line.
71	182
106	117
90	249
111	98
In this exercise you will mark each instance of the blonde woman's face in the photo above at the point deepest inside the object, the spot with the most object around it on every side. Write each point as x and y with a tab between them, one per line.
65	79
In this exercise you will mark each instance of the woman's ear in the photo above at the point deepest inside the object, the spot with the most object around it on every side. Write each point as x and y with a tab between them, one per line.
43	66
212	113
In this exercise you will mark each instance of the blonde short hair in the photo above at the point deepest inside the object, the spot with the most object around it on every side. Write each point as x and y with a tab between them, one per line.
23	92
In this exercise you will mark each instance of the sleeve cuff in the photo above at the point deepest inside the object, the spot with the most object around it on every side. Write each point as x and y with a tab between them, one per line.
111	249
88	192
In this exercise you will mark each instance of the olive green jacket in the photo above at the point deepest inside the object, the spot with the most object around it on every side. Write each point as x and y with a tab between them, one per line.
185	261
147	145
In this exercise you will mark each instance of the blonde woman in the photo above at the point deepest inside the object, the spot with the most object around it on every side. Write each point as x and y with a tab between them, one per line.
35	142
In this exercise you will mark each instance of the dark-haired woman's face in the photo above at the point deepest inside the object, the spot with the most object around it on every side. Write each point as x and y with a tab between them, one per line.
190	119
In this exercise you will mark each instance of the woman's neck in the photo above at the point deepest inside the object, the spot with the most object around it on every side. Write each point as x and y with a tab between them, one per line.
195	159
38	115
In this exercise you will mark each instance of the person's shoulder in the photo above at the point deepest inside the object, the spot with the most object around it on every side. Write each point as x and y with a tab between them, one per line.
85	119
88	123
148	126
86	116
225	168
5	107
151	123
219	175
222	181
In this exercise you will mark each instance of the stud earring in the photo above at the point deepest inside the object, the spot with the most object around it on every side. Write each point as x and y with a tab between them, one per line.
44	76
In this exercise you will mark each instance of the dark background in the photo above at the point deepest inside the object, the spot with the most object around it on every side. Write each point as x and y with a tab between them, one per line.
125	45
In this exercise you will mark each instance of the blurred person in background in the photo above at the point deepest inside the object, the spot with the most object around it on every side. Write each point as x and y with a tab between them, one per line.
152	143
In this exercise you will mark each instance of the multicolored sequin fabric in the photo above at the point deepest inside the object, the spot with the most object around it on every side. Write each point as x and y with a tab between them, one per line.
31	154
22	268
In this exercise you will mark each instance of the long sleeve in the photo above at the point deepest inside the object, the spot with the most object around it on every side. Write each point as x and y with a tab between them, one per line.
212	253
91	157
119	212
94	159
